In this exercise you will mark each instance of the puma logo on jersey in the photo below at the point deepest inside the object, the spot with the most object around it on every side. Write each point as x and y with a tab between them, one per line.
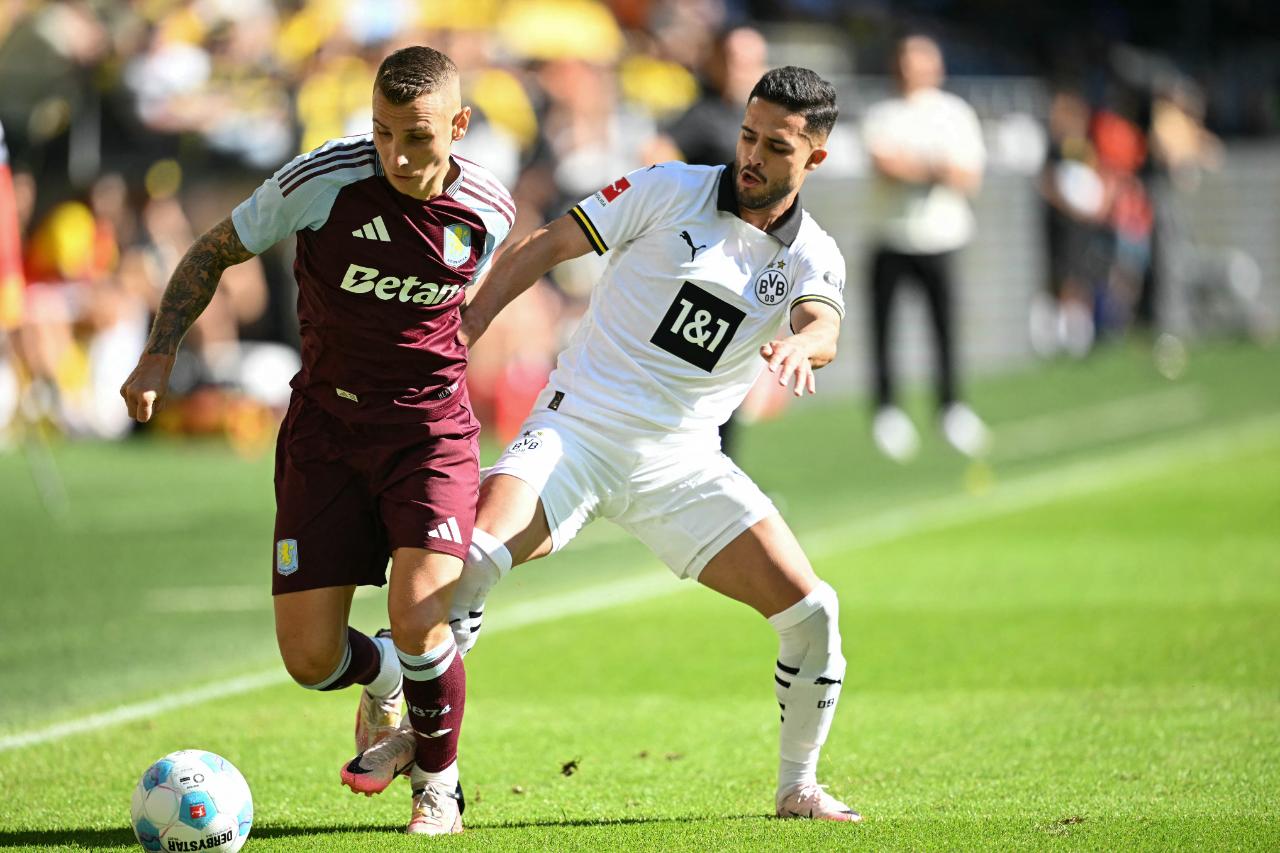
387	288
693	250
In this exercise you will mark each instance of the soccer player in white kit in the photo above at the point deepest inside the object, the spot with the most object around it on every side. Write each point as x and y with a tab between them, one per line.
706	264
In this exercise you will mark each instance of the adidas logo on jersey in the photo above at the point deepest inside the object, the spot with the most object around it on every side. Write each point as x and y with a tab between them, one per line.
360	279
374	230
448	531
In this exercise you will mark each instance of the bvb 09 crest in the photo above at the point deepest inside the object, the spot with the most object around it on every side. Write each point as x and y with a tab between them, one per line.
771	286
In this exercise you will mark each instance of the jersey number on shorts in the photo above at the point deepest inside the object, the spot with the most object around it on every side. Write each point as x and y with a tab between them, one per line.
697	327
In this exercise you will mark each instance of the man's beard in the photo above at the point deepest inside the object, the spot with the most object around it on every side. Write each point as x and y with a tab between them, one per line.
761	197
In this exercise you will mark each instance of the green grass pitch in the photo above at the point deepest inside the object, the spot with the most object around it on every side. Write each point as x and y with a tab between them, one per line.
1076	646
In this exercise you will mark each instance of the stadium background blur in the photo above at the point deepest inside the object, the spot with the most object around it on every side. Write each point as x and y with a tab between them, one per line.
1071	643
133	126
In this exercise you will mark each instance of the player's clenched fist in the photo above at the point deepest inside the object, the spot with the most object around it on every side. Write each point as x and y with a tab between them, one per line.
146	386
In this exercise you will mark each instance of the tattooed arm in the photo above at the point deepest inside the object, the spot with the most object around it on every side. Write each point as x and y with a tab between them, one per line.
190	288
192	285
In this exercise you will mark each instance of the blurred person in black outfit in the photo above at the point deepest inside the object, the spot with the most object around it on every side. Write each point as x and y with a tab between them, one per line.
927	151
1077	235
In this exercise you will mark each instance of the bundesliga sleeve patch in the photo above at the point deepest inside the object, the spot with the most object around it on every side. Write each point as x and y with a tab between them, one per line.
612	191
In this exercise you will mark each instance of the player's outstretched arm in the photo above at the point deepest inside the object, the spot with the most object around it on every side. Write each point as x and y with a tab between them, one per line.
812	344
517	268
190	288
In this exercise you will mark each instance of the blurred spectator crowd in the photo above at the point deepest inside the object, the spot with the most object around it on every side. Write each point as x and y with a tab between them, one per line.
132	126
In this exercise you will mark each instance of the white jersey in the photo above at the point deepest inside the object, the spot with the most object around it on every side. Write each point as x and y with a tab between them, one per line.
691	292
938	127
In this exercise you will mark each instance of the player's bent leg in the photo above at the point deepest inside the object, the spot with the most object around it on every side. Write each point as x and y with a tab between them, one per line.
511	511
379	713
320	651
766	569
488	561
511	528
434	685
422	585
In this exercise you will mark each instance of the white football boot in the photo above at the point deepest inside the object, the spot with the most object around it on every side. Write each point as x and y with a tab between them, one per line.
375	768
811	802
894	434
965	431
436	811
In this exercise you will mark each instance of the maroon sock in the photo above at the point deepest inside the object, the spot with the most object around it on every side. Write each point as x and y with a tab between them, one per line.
435	687
360	663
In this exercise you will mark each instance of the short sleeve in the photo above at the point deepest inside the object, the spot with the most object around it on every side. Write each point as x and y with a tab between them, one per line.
268	216
629	207
299	195
820	277
497	231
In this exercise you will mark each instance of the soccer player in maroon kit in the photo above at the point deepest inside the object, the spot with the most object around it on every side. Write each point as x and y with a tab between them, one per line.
377	454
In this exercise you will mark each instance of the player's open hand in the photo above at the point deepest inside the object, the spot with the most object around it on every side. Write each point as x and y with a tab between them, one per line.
145	388
791	364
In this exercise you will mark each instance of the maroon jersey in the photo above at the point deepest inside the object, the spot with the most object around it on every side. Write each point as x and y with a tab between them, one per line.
380	276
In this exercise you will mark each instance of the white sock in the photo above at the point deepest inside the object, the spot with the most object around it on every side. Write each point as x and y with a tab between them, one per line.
793	774
387	682
446	778
488	561
807	681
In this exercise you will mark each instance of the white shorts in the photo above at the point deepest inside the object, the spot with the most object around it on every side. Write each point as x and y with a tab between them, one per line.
678	494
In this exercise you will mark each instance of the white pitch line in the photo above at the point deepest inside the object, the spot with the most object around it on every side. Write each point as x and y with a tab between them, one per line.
1099	474
525	613
1093	424
142	710
1043	487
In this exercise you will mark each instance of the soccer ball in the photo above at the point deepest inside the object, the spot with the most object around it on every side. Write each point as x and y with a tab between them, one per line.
192	800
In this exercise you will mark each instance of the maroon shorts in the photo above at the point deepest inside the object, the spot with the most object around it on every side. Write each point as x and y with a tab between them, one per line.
349	494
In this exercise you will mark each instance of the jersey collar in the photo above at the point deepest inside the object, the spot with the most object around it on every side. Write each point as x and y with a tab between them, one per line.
785	229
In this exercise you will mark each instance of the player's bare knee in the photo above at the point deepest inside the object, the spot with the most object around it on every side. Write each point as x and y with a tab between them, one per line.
417	628
311	664
809	633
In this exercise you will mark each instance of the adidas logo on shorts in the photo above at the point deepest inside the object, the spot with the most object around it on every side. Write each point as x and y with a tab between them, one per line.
448	531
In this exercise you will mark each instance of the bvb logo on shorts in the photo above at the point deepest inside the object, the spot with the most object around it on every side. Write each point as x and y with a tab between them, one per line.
772	286
528	440
287	556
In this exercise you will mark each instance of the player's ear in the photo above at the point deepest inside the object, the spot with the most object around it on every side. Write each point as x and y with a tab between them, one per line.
460	123
816	156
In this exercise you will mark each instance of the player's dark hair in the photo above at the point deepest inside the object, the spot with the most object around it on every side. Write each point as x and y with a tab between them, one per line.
801	91
413	71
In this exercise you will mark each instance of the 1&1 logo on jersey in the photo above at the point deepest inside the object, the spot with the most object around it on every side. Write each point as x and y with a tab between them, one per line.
286	557
698	327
